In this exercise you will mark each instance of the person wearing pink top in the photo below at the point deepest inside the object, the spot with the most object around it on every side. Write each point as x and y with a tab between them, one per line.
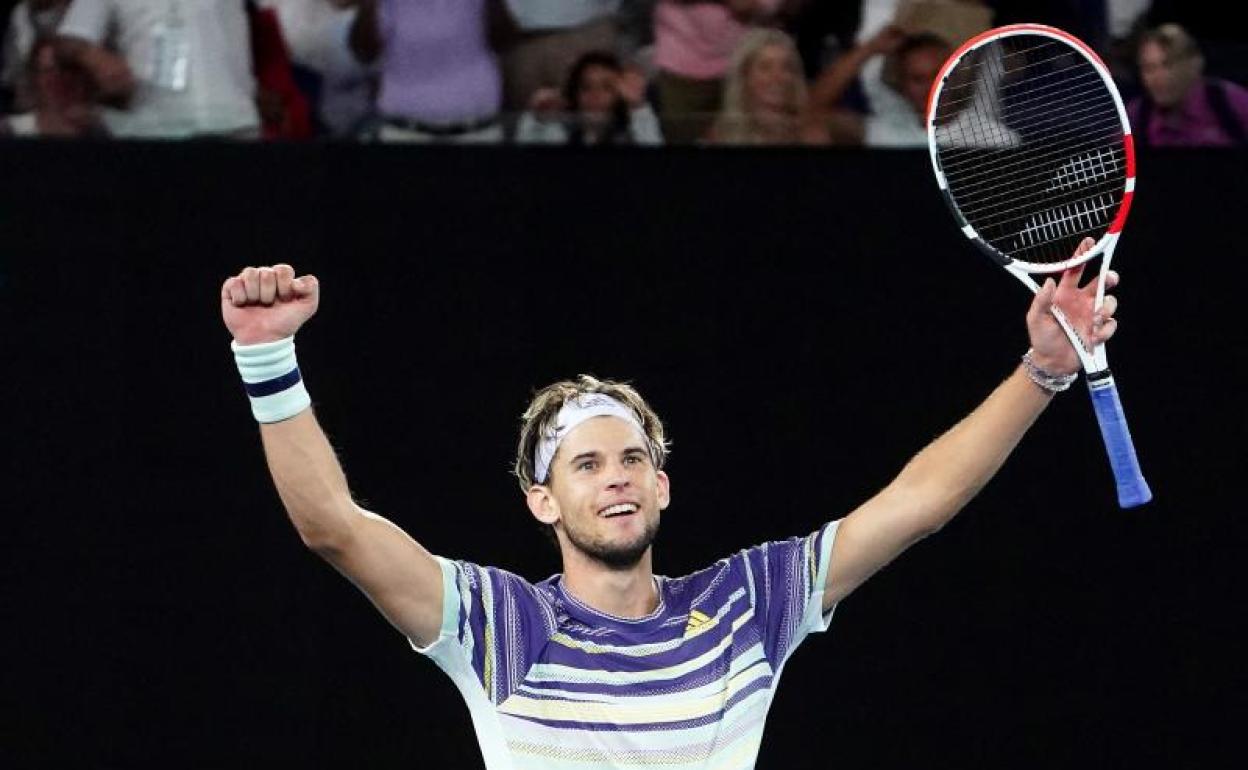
693	45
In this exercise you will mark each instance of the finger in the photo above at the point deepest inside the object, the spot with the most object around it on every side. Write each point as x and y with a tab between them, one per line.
1084	247
268	285
1101	333
233	291
1072	276
285	276
1111	279
306	286
251	283
1108	308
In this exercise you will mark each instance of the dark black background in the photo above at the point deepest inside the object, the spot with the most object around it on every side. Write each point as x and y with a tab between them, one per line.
804	321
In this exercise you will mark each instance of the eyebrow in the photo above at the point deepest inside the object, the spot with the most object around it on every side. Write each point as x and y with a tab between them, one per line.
594	454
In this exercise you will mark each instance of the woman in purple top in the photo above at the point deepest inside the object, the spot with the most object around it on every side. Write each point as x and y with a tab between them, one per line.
440	79
1180	107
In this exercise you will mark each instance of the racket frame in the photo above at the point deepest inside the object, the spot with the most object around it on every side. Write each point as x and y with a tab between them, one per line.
1132	489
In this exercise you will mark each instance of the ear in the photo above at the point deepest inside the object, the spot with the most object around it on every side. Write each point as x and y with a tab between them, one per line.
542	504
665	490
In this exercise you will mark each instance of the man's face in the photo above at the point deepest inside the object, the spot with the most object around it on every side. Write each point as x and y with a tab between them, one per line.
1167	78
605	493
918	70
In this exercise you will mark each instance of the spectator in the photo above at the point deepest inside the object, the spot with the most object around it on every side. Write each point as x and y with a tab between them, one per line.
1180	107
694	43
765	99
179	68
29	20
340	88
284	110
896	115
61	99
601	103
550	36
440	80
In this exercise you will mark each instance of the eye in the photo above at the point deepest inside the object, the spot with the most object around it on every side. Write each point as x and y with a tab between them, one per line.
586	465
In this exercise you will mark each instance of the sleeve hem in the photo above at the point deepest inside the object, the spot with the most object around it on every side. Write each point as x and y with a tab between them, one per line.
450	609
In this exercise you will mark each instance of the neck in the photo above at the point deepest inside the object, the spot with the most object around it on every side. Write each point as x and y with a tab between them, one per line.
774	124
625	593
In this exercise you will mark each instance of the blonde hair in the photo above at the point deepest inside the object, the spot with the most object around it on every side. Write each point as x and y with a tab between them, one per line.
735	122
538	420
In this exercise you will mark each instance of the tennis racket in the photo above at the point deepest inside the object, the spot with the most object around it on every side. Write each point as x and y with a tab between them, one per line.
1033	153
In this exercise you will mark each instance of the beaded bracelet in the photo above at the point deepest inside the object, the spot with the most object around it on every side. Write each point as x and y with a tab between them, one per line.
1048	382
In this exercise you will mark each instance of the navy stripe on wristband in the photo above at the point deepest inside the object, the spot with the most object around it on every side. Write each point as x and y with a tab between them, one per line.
276	385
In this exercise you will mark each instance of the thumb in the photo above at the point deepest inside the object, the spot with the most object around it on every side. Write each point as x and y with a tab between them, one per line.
1043	300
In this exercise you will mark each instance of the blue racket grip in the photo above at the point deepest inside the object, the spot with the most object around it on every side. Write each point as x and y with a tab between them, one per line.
1132	488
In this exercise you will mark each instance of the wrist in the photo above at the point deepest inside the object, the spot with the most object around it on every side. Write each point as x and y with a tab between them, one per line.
272	379
1048	379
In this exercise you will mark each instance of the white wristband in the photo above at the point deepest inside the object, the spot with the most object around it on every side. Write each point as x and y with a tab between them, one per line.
272	380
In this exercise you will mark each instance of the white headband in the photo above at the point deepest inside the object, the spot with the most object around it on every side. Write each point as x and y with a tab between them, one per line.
575	411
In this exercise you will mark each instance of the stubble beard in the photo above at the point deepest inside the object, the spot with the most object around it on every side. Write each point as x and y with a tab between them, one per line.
617	556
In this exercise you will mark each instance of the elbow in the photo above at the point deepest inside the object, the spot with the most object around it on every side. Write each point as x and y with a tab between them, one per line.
327	534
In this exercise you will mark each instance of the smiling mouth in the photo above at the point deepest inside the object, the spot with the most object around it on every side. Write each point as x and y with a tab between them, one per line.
619	509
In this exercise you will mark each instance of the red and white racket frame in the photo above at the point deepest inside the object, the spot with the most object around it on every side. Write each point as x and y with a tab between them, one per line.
1133	490
1094	361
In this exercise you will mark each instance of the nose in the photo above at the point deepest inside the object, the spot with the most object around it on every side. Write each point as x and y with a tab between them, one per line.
618	478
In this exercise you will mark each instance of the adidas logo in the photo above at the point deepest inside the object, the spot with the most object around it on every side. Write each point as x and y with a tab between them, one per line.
698	622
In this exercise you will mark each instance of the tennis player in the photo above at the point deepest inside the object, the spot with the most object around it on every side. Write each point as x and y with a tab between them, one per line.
608	665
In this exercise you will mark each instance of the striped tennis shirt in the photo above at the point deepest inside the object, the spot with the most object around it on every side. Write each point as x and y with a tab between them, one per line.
552	683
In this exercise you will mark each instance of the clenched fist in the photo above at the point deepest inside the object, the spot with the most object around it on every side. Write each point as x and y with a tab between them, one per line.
264	304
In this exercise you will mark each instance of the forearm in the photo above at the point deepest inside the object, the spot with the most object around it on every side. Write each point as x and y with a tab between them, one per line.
310	481
365	36
943	477
109	72
832	83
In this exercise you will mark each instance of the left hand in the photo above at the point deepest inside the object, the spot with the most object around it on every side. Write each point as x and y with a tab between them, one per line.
632	87
1051	347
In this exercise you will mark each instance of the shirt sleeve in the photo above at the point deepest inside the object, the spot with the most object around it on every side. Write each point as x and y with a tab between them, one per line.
88	20
494	624
787	579
645	126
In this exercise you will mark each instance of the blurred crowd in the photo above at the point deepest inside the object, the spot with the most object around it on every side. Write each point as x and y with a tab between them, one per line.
573	72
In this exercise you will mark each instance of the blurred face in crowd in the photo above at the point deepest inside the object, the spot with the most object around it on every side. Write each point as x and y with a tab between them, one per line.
918	70
56	86
1167	76
771	80
598	90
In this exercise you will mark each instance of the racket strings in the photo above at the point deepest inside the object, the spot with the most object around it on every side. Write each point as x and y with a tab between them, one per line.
1005	90
1111	134
1030	142
1045	103
1111	128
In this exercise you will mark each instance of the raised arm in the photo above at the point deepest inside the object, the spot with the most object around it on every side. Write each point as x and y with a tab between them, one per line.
943	477
265	307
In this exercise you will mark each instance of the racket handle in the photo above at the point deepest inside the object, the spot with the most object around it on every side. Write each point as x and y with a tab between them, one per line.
1132	488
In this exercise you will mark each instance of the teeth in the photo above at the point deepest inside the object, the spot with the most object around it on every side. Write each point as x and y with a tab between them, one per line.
618	509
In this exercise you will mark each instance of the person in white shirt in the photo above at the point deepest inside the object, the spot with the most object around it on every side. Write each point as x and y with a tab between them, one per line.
550	36
601	103
895	114
174	68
